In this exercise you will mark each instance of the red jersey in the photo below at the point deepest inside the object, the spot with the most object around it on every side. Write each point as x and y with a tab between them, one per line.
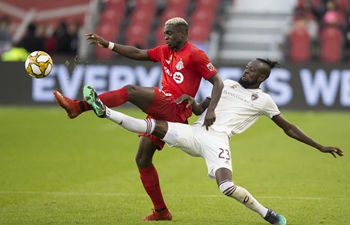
183	69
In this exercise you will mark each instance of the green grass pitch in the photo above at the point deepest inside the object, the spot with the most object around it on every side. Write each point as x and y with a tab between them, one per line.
54	170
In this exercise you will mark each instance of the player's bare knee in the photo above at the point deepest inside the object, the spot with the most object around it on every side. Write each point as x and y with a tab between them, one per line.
161	129
143	158
227	187
143	162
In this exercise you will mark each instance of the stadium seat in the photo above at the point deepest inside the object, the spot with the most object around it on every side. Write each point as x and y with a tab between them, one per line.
136	35
108	31
141	18
203	16
159	36
299	45
207	4
331	39
111	14
142	15
109	25
147	6
145	3
199	32
170	13
119	3
177	3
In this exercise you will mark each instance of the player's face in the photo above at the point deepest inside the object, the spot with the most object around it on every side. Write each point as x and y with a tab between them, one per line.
250	78
173	37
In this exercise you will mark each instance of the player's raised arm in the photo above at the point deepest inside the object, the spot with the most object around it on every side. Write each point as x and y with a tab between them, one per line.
294	132
124	50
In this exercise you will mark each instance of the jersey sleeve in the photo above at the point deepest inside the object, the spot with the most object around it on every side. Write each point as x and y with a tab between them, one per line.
271	109
155	54
203	65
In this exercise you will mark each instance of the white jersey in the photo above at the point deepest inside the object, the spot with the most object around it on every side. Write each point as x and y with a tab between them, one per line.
239	108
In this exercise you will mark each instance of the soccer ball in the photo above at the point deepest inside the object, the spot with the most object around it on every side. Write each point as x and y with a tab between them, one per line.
38	64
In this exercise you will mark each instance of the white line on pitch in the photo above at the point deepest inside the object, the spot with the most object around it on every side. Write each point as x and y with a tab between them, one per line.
183	195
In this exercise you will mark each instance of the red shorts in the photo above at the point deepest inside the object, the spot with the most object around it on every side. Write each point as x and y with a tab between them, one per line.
164	107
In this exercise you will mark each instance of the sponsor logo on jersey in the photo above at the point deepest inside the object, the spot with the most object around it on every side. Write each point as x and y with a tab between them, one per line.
234	86
180	65
236	96
210	67
254	96
178	77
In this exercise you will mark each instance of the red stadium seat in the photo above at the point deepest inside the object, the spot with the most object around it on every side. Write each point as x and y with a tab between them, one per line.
111	14
136	35
207	3
331	44
145	3
160	35
109	24
170	13
142	16
203	16
140	22
177	3
119	3
299	45
108	31
113	10
199	32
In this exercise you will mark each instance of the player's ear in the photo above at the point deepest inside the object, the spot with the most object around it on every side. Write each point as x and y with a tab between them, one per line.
183	32
262	77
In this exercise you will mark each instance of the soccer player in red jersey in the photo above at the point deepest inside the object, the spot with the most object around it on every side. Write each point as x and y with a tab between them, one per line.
183	67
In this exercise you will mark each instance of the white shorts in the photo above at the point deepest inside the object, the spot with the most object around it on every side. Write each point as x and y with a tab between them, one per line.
196	141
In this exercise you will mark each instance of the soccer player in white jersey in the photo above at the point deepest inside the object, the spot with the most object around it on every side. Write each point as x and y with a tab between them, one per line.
240	105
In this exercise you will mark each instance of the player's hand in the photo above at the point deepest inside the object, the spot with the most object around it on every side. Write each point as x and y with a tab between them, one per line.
185	98
209	119
96	39
333	150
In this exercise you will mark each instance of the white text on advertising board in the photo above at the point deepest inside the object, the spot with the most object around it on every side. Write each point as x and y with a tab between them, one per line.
319	87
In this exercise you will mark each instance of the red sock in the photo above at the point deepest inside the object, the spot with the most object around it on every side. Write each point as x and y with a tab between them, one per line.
111	98
150	181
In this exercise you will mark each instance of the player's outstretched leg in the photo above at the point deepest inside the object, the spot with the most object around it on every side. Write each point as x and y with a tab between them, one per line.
94	101
71	106
228	188
275	218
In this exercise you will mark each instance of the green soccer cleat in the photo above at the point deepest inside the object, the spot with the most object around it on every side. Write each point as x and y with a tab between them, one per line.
94	101
275	218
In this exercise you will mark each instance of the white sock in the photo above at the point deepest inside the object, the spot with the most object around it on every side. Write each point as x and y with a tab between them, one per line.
243	196
132	124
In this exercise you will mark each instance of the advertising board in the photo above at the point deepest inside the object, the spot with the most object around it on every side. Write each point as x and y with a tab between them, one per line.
301	87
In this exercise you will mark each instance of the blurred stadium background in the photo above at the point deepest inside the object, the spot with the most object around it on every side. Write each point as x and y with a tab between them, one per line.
82	171
309	37
228	30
